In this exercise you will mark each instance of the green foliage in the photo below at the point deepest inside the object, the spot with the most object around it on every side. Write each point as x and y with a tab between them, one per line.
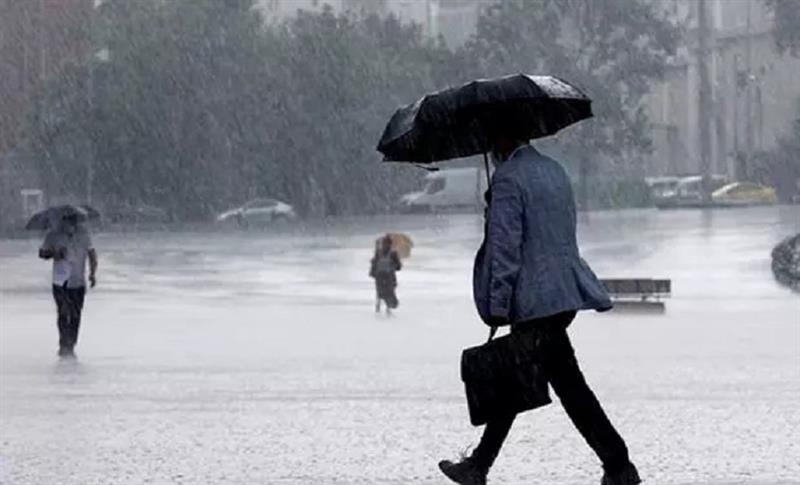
612	49
202	105
780	167
787	24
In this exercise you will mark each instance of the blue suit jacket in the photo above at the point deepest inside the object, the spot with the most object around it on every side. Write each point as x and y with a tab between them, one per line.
529	265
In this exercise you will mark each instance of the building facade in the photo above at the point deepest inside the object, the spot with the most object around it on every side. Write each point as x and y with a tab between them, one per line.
752	91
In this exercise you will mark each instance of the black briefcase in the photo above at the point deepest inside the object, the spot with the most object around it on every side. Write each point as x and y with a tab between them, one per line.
504	376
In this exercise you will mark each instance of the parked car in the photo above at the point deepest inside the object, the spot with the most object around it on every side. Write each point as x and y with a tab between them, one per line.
457	188
744	194
259	211
662	188
688	192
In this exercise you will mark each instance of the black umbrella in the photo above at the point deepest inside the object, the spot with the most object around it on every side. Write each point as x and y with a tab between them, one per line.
458	122
50	217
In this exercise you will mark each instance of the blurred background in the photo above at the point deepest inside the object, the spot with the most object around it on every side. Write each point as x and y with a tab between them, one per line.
178	110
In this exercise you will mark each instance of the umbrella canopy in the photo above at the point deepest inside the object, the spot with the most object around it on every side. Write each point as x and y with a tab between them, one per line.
50	217
401	243
458	122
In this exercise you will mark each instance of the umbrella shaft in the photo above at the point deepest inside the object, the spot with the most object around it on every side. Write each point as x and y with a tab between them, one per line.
486	164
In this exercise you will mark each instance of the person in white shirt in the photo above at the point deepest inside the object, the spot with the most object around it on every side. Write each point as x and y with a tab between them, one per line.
69	245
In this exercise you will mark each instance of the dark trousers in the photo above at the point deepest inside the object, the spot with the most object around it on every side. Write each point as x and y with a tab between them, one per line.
578	400
69	302
385	290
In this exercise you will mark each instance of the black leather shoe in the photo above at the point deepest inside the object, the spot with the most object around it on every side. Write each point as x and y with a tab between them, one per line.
464	472
626	476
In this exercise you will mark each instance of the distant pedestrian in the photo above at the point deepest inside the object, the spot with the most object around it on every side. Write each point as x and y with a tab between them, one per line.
383	268
529	275
69	245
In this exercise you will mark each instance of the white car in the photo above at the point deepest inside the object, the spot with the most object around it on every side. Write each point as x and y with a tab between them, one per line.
259	211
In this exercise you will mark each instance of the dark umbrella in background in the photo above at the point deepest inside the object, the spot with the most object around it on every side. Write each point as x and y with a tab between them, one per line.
50	217
459	122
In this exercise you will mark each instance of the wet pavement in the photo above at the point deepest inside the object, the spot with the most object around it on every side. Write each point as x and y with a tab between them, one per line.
255	357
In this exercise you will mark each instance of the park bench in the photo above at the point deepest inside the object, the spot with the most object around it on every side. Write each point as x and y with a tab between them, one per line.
638	292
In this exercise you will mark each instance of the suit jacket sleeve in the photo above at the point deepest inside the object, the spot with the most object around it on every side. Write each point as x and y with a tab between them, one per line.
505	244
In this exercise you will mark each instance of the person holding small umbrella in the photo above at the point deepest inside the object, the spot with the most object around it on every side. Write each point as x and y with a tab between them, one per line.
528	273
383	269
69	244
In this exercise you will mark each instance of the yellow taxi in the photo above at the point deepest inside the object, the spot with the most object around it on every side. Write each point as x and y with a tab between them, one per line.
743	194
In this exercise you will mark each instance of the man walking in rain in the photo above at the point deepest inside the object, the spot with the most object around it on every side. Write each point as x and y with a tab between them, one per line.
530	276
69	245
